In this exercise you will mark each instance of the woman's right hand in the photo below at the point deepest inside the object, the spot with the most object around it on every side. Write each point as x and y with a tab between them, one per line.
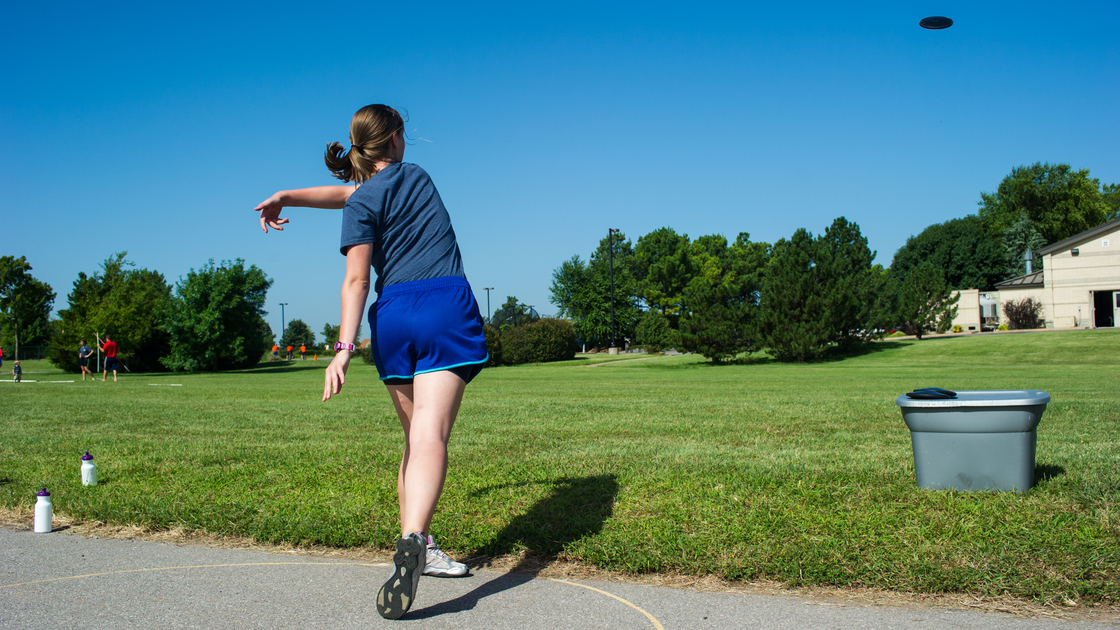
270	212
335	377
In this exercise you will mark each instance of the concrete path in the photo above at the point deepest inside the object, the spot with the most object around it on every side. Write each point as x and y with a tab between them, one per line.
58	580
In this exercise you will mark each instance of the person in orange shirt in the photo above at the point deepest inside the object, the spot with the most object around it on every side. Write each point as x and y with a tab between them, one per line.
275	351
289	353
302	352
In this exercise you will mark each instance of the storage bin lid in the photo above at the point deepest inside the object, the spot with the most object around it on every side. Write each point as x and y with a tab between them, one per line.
982	398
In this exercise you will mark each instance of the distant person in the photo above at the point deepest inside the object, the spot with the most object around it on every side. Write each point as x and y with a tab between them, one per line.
1	356
302	352
110	350
83	359
289	353
394	221
17	372
275	351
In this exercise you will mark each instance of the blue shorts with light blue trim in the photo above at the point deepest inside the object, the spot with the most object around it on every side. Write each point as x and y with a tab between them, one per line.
427	326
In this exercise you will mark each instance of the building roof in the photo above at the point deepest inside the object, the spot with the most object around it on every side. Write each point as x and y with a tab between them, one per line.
1076	238
1029	280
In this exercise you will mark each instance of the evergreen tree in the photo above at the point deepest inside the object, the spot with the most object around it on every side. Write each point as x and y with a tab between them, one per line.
794	321
653	332
924	301
849	289
662	268
721	300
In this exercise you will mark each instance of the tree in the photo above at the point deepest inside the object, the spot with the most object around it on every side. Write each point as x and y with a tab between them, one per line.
216	318
25	303
720	305
1110	193
298	334
514	313
582	292
849	287
662	268
331	334
793	321
653	332
1056	199
127	303
1018	239
968	257
821	291
924	301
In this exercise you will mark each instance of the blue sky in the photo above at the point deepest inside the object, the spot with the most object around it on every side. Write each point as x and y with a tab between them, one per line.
155	129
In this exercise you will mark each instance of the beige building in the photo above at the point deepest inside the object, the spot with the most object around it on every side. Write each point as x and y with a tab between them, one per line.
1078	286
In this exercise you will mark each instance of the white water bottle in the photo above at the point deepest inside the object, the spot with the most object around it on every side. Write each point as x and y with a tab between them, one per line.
43	512
89	470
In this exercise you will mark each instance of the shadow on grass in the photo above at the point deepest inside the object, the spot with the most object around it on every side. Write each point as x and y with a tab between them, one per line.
574	509
1046	472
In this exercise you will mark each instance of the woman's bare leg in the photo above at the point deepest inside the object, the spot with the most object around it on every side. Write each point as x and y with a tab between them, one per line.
427	410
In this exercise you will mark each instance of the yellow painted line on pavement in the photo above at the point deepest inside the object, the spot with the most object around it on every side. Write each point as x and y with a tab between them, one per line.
652	619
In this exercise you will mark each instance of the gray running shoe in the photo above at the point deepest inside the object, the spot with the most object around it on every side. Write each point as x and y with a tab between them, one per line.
439	564
399	591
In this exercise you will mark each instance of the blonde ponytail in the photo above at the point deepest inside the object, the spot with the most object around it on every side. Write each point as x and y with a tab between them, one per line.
371	130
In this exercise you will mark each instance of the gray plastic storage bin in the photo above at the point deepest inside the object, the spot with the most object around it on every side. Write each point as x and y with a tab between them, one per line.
980	440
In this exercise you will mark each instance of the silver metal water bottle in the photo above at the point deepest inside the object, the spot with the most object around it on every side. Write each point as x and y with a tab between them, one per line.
89	470
44	511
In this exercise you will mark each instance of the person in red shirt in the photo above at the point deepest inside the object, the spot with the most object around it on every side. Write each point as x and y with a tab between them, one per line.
110	350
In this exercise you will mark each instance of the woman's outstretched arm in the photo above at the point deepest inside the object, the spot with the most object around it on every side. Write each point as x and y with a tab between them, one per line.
330	197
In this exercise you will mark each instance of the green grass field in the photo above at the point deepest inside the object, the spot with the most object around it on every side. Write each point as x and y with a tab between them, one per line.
797	473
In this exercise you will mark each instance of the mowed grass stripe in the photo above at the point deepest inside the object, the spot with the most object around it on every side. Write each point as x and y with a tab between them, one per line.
796	473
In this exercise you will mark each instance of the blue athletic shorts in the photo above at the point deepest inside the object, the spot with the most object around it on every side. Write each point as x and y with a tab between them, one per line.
110	364
427	326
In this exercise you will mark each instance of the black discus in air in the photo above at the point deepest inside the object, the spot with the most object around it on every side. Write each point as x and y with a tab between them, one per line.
935	23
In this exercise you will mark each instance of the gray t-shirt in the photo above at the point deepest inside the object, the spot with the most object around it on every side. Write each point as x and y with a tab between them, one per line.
400	212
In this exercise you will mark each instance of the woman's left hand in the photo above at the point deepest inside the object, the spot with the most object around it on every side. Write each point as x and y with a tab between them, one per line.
270	212
335	376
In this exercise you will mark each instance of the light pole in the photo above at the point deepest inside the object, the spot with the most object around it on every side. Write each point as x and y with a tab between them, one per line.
610	246
489	315
282	323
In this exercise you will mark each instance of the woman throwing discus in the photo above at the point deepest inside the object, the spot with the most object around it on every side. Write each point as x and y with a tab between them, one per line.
425	325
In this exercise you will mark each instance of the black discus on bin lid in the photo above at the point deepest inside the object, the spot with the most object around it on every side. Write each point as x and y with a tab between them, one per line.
974	440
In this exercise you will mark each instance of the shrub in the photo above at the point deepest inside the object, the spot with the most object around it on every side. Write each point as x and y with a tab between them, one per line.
1002	327
897	333
1023	314
958	328
493	345
543	340
654	333
366	353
